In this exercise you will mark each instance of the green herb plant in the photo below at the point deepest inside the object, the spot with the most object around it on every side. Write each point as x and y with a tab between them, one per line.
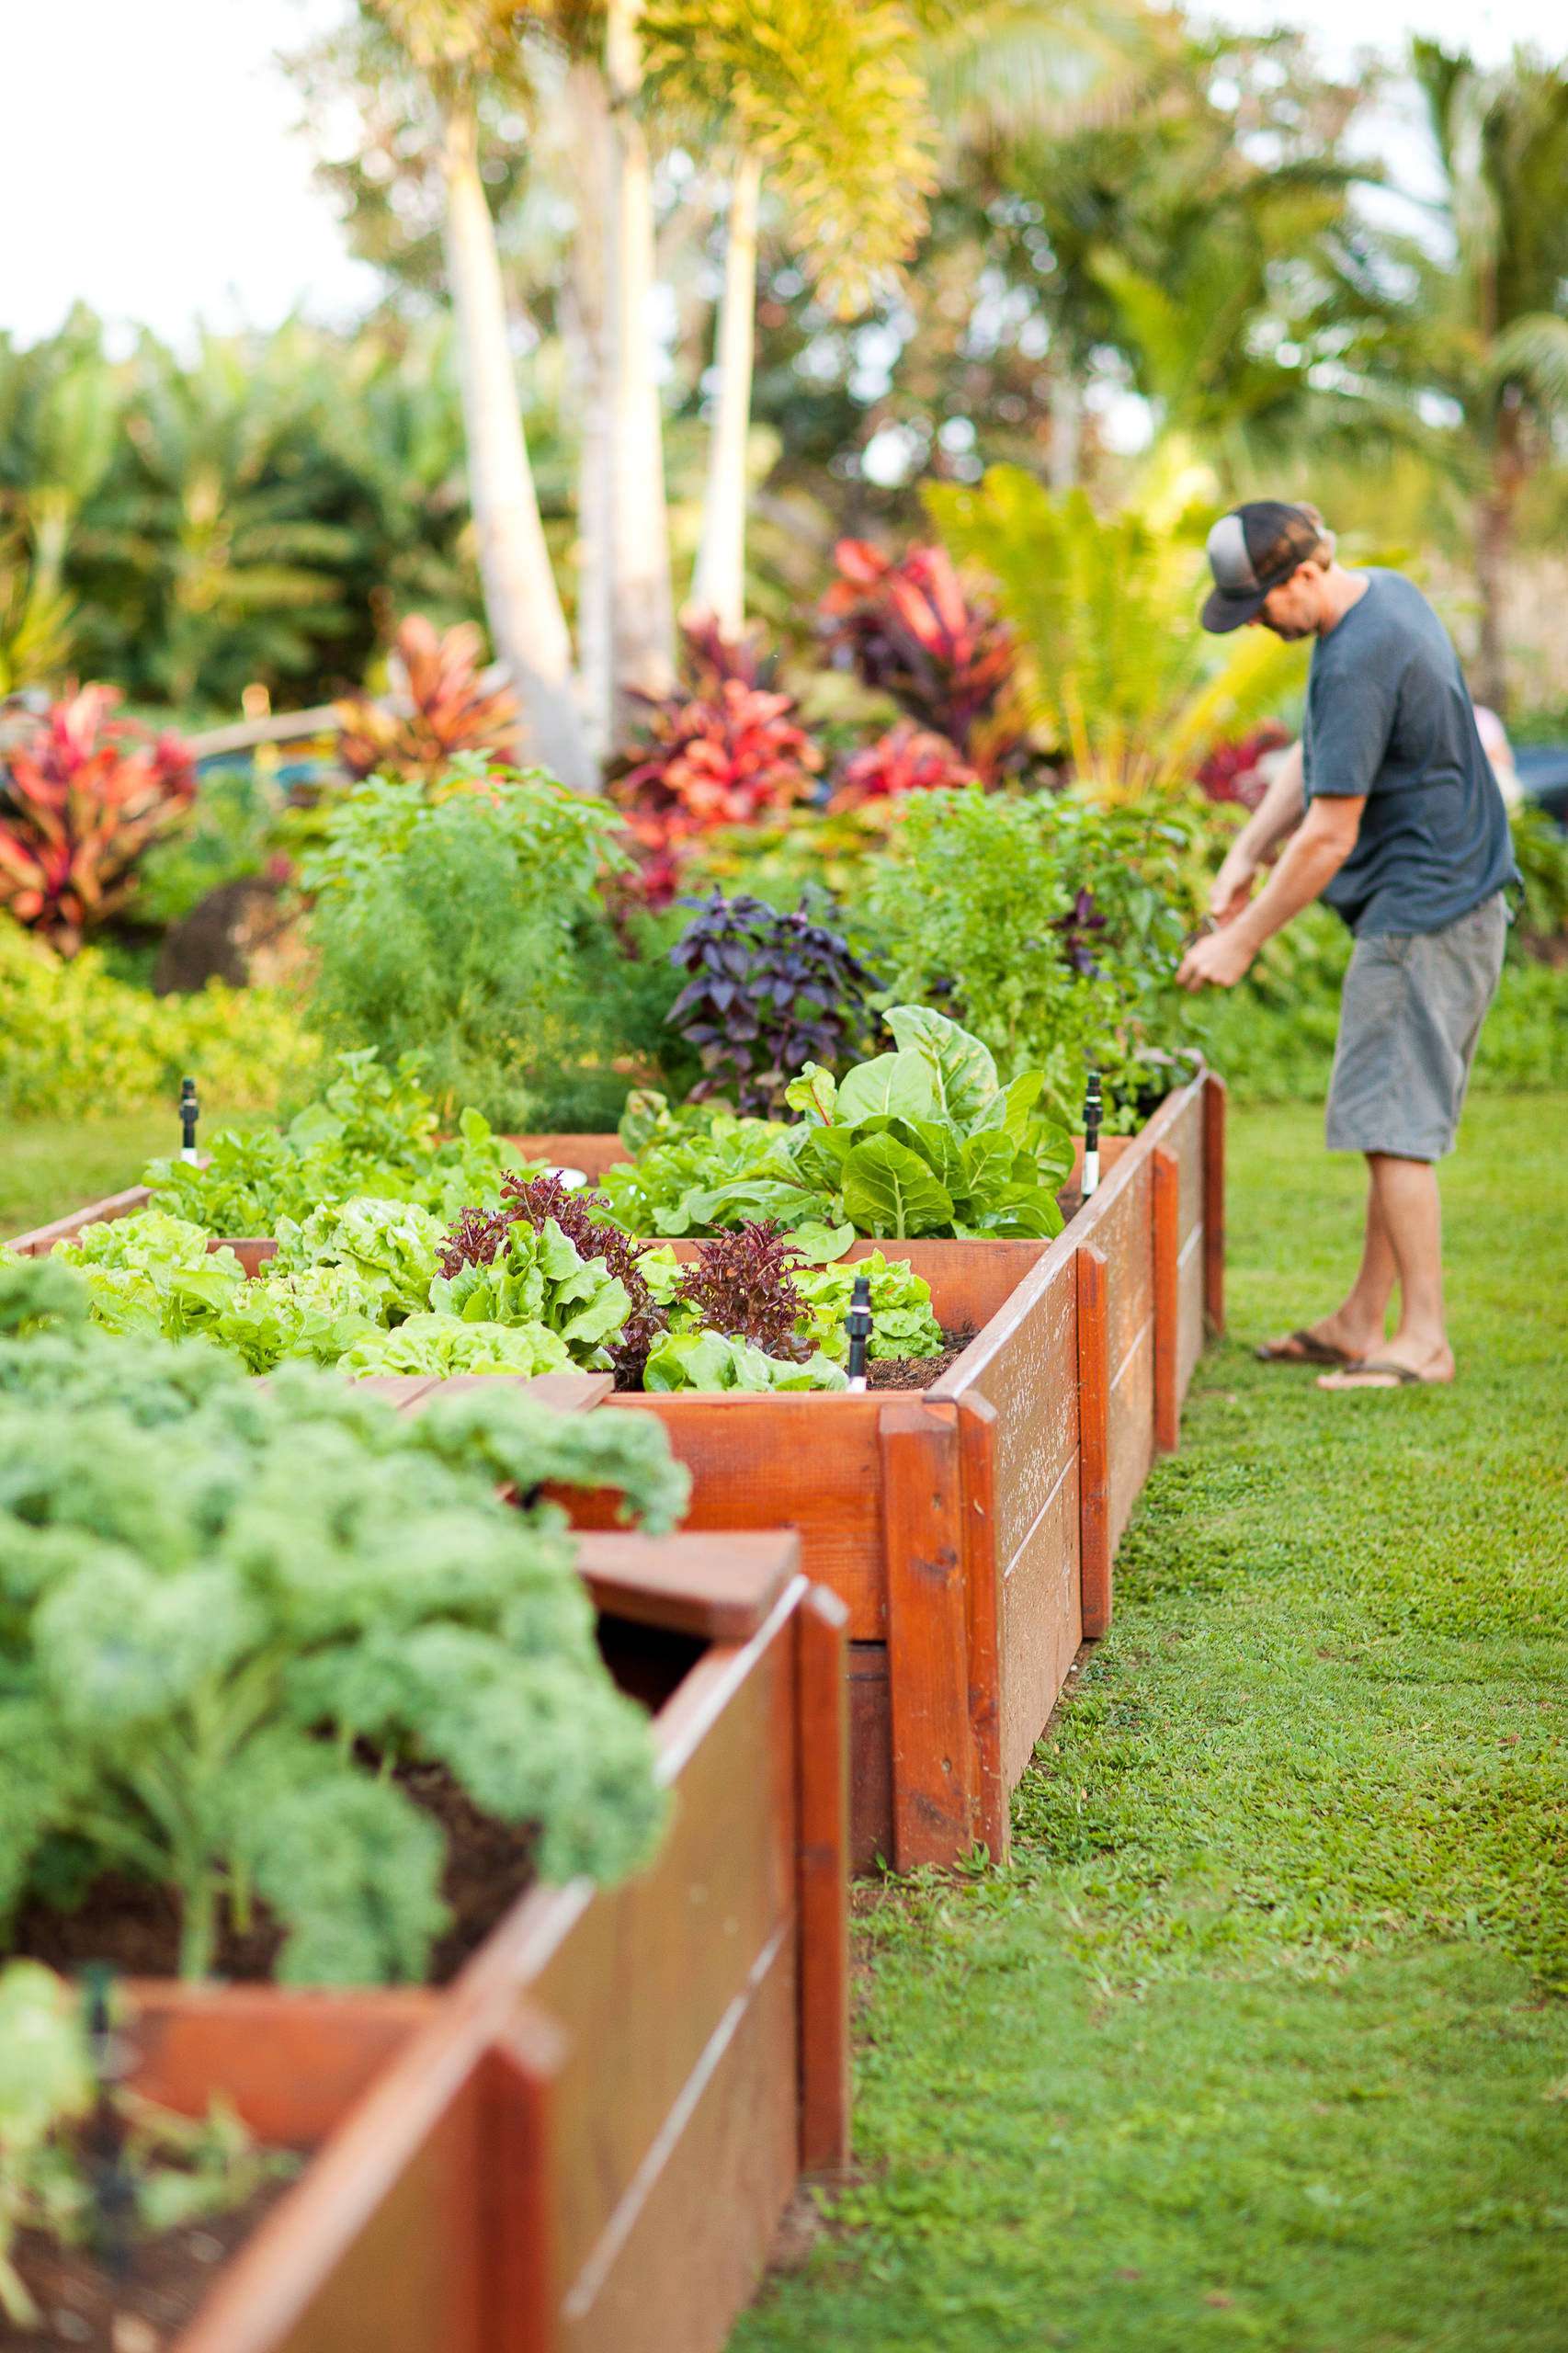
202	1639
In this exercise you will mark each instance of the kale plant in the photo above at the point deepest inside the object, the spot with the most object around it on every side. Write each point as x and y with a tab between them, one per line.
767	993
202	1639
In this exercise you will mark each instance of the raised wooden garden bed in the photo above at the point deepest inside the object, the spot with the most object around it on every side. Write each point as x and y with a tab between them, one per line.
970	1528
587	2139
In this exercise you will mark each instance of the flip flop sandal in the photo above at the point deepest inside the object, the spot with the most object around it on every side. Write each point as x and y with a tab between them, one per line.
1393	1376
1301	1348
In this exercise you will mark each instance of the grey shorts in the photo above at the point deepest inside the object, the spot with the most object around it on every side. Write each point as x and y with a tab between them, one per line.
1409	1018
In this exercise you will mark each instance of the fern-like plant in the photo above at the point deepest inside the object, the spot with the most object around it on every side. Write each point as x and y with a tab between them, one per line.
1106	609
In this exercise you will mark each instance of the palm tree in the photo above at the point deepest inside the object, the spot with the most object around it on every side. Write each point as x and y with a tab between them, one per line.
460	48
1496	336
822	98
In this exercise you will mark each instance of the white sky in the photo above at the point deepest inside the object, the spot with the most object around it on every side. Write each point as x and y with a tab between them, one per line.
148	165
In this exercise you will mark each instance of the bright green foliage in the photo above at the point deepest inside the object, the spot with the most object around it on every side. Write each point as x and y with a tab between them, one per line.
389	1246
1106	609
75	1043
152	1276
441	1346
45	2084
318	1314
368	1131
469	928
903	1323
1003	901
826	93
1259	2040
697	1360
925	1140
198	1633
540	1279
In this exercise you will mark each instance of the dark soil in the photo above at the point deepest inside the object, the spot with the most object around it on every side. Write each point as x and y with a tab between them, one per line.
142	2307
135	1925
918	1372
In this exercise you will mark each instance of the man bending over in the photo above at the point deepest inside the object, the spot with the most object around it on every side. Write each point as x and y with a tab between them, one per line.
1406	837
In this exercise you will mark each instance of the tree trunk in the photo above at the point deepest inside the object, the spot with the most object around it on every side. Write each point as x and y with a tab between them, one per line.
525	618
1493	543
719	586
641	606
1066	430
591	372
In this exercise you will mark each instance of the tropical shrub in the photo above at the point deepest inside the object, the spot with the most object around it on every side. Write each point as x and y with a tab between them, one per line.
728	754
911	631
765	994
1231	771
223	1643
907	759
471	930
436	674
77	1044
1053	929
1119	673
81	799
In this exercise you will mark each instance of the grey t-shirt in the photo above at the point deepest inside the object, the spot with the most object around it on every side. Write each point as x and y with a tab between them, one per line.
1388	715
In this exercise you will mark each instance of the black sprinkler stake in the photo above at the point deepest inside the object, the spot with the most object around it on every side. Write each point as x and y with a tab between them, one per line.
858	1323
1091	1133
188	1109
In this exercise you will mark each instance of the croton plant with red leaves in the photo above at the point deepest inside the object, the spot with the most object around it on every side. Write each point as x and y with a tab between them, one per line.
1231	771
911	630
727	753
81	798
441	706
907	759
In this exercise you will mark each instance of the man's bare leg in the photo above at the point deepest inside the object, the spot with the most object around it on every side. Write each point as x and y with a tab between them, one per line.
1410	1229
1355	1326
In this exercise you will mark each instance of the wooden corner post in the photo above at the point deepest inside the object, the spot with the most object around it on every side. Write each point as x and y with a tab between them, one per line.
983	1607
934	1776
1167	1298
1214	1203
822	1716
1094	1444
515	2222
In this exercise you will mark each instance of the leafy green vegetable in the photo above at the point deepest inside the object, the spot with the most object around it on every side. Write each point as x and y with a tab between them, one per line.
152	1274
45	2084
390	1246
195	1636
902	1322
698	1359
443	1344
538	1279
371	1132
923	1140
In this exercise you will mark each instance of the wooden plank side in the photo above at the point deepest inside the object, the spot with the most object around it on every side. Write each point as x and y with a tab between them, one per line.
592	1154
870	1750
812	1463
695	2247
1166	1174
1030	1376
1189	1318
721	1587
978	1420
291	2061
1041	1622
1214	1202
934	1767
645	1976
41	1239
821	1769
1095	1580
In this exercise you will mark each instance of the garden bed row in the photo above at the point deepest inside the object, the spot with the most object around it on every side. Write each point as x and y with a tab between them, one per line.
970	1528
587	2139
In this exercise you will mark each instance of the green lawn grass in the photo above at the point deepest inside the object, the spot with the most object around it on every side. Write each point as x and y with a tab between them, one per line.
1261	2040
50	1166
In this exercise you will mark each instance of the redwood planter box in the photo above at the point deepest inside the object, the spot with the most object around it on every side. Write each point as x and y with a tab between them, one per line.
970	1528
586	2141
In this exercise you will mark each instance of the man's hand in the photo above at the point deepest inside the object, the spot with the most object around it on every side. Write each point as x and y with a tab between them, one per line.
1232	886
1219	960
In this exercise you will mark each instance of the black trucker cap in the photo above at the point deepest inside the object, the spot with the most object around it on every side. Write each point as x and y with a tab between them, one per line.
1252	550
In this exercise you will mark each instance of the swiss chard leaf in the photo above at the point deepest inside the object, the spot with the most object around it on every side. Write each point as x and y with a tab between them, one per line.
890	1191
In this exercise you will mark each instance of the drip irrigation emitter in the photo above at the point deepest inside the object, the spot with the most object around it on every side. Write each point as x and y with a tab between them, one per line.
858	1323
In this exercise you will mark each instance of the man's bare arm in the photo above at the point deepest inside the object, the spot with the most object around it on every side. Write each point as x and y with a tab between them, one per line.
1310	861
1276	813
